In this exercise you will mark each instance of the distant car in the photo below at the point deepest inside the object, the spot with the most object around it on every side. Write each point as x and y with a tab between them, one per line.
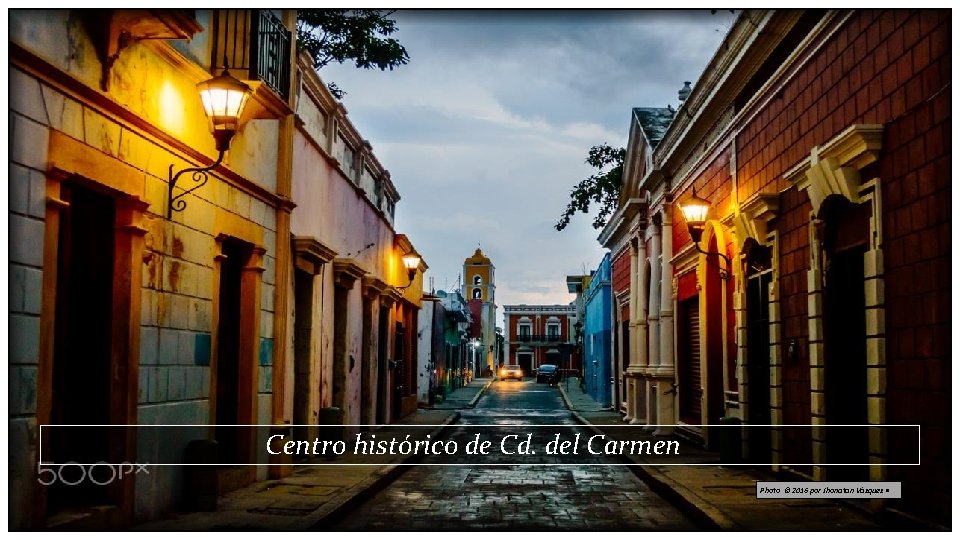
548	373
511	372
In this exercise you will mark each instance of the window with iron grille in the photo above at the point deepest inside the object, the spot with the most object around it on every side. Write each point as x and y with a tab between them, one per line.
254	41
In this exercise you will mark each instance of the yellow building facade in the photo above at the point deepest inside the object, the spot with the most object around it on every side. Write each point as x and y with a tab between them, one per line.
170	285
136	304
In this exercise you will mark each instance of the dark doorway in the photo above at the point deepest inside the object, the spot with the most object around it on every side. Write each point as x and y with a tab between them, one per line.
383	329
398	371
81	391
228	397
688	341
844	328
340	317
367	365
846	238
525	360
758	353
302	349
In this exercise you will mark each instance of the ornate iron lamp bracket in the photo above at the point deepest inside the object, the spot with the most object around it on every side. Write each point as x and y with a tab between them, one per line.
724	272
200	176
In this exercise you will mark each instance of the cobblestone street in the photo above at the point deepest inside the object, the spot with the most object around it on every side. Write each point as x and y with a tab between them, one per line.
535	495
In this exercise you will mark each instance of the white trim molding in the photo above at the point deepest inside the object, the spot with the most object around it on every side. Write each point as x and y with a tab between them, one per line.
834	168
754	217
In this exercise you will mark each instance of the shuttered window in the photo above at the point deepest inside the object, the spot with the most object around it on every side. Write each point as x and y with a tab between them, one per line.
690	361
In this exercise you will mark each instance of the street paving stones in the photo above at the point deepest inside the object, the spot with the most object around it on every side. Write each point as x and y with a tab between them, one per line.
550	496
313	493
727	495
517	497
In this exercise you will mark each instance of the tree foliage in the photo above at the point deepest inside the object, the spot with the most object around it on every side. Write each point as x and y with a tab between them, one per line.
358	35
601	188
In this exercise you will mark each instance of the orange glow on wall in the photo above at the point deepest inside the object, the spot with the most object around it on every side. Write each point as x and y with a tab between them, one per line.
172	109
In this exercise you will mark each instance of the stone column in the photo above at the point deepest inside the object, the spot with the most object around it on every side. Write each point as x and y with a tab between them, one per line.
640	356
282	399
632	346
653	330
666	394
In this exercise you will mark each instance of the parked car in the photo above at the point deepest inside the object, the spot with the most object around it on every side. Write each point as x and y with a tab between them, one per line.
548	373
512	371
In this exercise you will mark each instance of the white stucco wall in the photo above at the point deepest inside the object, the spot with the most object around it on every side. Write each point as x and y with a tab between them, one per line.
424	351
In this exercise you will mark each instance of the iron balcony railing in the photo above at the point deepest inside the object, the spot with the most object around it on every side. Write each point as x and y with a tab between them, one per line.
270	56
539	338
254	40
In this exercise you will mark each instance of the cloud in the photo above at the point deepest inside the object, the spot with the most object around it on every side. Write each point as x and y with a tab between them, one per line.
486	130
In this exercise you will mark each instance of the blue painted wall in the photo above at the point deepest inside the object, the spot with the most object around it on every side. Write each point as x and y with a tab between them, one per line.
598	316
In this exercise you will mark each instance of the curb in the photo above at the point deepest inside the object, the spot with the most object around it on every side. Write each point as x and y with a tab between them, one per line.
473	402
566	399
328	513
702	511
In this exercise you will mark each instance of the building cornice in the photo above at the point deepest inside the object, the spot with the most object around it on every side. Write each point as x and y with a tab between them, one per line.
638	148
402	242
825	28
315	90
753	36
520	309
391	296
346	272
622	221
310	254
374	287
755	215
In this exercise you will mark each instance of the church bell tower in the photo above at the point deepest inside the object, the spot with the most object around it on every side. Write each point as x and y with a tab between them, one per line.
479	288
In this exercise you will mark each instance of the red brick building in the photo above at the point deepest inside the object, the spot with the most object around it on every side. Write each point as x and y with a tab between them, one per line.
819	292
540	334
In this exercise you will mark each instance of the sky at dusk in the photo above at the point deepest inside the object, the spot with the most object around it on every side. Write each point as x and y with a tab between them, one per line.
486	130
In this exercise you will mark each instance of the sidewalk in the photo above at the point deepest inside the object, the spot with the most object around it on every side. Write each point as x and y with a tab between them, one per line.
314	494
722	497
463	398
577	400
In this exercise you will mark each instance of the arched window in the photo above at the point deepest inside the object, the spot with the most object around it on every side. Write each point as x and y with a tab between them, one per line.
477	280
476	293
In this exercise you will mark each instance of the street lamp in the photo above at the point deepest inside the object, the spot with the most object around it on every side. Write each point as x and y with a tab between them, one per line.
694	211
223	98
475	357
411	261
